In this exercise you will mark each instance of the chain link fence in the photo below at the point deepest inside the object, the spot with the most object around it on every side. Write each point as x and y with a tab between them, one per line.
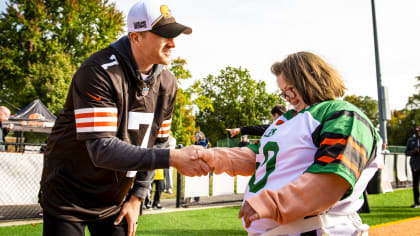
20	175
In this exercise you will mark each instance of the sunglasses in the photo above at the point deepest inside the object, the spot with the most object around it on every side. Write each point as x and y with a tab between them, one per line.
288	93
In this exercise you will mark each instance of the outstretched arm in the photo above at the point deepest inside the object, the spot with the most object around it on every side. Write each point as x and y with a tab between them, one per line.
233	161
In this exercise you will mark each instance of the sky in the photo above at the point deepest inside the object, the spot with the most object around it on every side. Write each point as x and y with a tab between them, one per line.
254	34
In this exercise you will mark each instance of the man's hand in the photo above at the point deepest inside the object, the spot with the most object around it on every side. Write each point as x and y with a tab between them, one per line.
248	214
130	211
233	132
186	161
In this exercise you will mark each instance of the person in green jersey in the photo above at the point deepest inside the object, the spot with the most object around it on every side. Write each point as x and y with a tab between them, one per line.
312	164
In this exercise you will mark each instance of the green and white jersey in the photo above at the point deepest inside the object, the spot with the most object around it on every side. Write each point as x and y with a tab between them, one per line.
329	137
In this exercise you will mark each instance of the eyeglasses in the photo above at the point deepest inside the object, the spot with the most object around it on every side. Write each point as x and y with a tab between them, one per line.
288	93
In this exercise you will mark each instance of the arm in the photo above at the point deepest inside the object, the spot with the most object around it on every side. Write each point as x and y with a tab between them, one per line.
112	153
257	130
233	161
310	194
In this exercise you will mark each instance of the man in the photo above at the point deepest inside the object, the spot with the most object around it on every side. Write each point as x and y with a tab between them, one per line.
119	105
244	141
4	115
413	150
258	130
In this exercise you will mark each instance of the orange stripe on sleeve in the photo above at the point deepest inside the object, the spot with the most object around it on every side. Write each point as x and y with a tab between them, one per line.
96	114
359	149
165	125
326	159
332	141
96	124
349	164
163	132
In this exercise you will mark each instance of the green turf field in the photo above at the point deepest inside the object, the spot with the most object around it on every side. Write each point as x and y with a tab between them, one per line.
223	221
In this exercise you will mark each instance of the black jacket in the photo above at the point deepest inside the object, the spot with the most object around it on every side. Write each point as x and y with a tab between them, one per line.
257	130
412	144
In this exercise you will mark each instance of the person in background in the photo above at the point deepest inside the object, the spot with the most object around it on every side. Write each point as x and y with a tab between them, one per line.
159	184
201	140
258	130
413	150
244	141
311	166
4	130
169	171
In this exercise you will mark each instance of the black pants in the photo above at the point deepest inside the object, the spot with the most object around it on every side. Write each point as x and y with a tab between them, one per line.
416	178
159	187
55	226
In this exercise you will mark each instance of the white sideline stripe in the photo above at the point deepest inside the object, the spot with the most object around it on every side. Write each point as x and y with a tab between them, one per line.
96	119
96	109
97	129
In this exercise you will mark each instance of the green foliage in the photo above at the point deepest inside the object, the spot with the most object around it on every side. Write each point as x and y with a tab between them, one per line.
401	126
414	100
183	120
367	105
42	42
231	99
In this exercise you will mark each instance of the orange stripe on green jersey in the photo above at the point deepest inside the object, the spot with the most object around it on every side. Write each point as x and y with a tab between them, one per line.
349	164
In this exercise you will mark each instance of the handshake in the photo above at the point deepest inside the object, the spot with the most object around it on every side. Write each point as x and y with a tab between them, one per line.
196	161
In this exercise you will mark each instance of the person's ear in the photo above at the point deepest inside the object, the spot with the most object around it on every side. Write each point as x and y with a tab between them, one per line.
135	37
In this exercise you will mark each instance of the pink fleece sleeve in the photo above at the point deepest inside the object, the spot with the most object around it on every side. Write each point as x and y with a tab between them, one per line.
233	161
308	195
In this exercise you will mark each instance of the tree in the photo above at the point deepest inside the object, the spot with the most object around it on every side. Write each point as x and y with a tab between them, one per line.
42	42
367	105
414	100
401	126
183	120
231	99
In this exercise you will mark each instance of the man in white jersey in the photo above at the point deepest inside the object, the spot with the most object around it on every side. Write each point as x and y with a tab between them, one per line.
312	164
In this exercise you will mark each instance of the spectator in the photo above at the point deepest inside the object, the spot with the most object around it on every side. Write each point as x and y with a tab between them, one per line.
159	184
4	130
311	166
413	150
169	171
258	130
200	139
244	141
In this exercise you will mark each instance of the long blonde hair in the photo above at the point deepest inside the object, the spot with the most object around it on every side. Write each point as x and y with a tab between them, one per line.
315	80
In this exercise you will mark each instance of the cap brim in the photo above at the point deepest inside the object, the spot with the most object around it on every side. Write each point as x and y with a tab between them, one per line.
171	30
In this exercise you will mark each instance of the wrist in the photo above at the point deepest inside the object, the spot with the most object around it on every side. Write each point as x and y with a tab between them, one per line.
173	157
136	199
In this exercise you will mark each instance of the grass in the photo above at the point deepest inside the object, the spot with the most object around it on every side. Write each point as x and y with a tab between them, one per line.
219	221
390	207
223	221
